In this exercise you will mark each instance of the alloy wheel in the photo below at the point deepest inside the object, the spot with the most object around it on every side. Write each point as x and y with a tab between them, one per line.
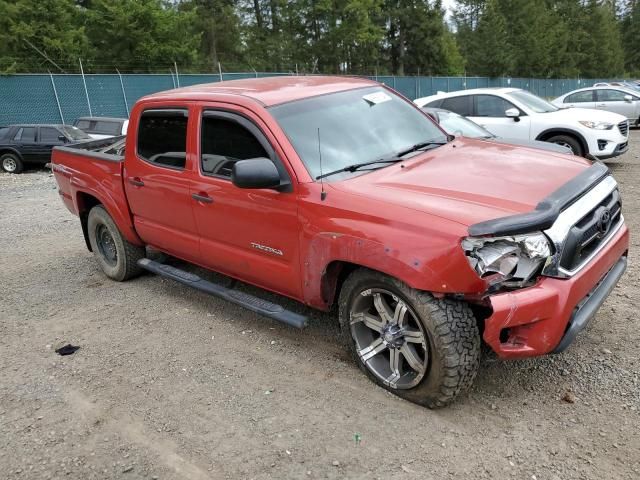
389	339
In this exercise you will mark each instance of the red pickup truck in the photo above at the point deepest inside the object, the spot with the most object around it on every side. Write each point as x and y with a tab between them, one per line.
339	193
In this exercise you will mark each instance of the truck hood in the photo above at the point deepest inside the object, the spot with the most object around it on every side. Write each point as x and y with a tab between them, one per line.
584	114
468	180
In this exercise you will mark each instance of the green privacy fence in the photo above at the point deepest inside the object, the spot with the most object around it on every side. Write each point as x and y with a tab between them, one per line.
44	98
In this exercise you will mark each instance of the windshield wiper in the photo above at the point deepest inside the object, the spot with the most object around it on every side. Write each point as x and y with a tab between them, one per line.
357	166
418	146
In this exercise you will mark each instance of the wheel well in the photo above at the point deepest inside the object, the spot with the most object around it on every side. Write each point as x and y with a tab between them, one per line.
6	150
85	203
544	136
334	276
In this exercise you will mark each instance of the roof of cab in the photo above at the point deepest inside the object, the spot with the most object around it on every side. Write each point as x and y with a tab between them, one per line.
268	91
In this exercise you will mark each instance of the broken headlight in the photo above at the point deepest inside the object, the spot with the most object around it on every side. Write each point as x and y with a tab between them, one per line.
510	261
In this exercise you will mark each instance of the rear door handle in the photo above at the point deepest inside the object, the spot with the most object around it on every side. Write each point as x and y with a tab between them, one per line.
601	105
137	181
204	198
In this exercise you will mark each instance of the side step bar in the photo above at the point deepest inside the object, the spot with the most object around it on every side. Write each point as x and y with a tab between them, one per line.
246	300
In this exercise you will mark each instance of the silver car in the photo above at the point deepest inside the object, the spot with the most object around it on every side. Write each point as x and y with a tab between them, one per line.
607	97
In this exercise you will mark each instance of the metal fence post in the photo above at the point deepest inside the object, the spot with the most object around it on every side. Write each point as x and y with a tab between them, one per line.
86	92
124	94
177	76
55	92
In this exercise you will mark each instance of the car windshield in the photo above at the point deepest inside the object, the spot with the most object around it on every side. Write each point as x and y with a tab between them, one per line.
457	124
75	133
532	102
351	127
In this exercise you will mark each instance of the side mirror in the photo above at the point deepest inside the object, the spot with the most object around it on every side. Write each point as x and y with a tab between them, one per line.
255	173
628	98
512	113
62	138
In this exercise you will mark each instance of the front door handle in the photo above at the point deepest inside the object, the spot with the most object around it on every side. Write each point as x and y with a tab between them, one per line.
204	198
137	181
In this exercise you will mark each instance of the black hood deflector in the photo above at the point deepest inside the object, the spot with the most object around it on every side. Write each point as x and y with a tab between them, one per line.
547	211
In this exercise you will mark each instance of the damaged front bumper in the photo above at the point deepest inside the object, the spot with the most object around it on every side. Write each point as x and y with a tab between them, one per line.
547	317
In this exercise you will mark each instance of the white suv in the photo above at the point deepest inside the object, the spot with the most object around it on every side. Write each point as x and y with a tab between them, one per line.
515	113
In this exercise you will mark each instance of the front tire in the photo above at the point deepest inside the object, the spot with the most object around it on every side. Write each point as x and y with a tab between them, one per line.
117	257
11	163
423	349
569	142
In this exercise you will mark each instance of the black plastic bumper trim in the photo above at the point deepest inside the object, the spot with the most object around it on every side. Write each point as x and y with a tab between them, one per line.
246	300
547	211
621	149
590	305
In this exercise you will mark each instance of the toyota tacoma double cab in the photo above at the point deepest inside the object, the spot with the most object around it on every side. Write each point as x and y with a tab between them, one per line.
343	195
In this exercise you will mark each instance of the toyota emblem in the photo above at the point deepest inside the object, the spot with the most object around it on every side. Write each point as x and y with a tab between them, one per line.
604	220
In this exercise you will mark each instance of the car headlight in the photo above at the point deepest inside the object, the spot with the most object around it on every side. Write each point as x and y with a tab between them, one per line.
509	260
596	125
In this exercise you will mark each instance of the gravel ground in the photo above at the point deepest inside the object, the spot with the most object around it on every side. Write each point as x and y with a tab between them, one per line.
172	384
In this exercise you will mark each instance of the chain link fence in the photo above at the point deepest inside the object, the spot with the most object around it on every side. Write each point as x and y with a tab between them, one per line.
46	98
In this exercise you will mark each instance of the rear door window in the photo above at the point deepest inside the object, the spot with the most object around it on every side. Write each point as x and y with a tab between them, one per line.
162	137
461	105
491	106
580	97
26	134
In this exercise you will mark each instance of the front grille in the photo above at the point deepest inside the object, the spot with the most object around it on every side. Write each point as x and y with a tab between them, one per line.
591	231
624	127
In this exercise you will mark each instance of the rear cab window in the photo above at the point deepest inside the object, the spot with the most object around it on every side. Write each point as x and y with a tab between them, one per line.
162	137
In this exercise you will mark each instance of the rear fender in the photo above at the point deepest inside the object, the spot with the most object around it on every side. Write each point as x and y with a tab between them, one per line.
4	150
85	200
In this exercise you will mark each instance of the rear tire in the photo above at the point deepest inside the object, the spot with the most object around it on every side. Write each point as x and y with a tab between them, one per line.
567	141
427	350
117	257
11	163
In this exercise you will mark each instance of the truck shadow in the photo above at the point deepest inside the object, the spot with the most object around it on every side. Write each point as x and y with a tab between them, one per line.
497	379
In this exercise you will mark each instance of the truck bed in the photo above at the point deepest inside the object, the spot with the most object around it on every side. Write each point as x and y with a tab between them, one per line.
92	172
111	149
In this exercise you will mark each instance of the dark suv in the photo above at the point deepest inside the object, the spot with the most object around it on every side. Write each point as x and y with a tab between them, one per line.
23	144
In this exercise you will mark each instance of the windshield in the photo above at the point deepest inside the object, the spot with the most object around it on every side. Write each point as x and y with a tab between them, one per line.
352	127
532	102
75	133
454	123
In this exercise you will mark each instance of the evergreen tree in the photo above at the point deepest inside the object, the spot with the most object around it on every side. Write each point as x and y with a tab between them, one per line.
141	35
491	53
33	31
631	36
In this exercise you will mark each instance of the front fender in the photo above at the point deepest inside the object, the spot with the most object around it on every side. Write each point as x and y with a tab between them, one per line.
429	267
